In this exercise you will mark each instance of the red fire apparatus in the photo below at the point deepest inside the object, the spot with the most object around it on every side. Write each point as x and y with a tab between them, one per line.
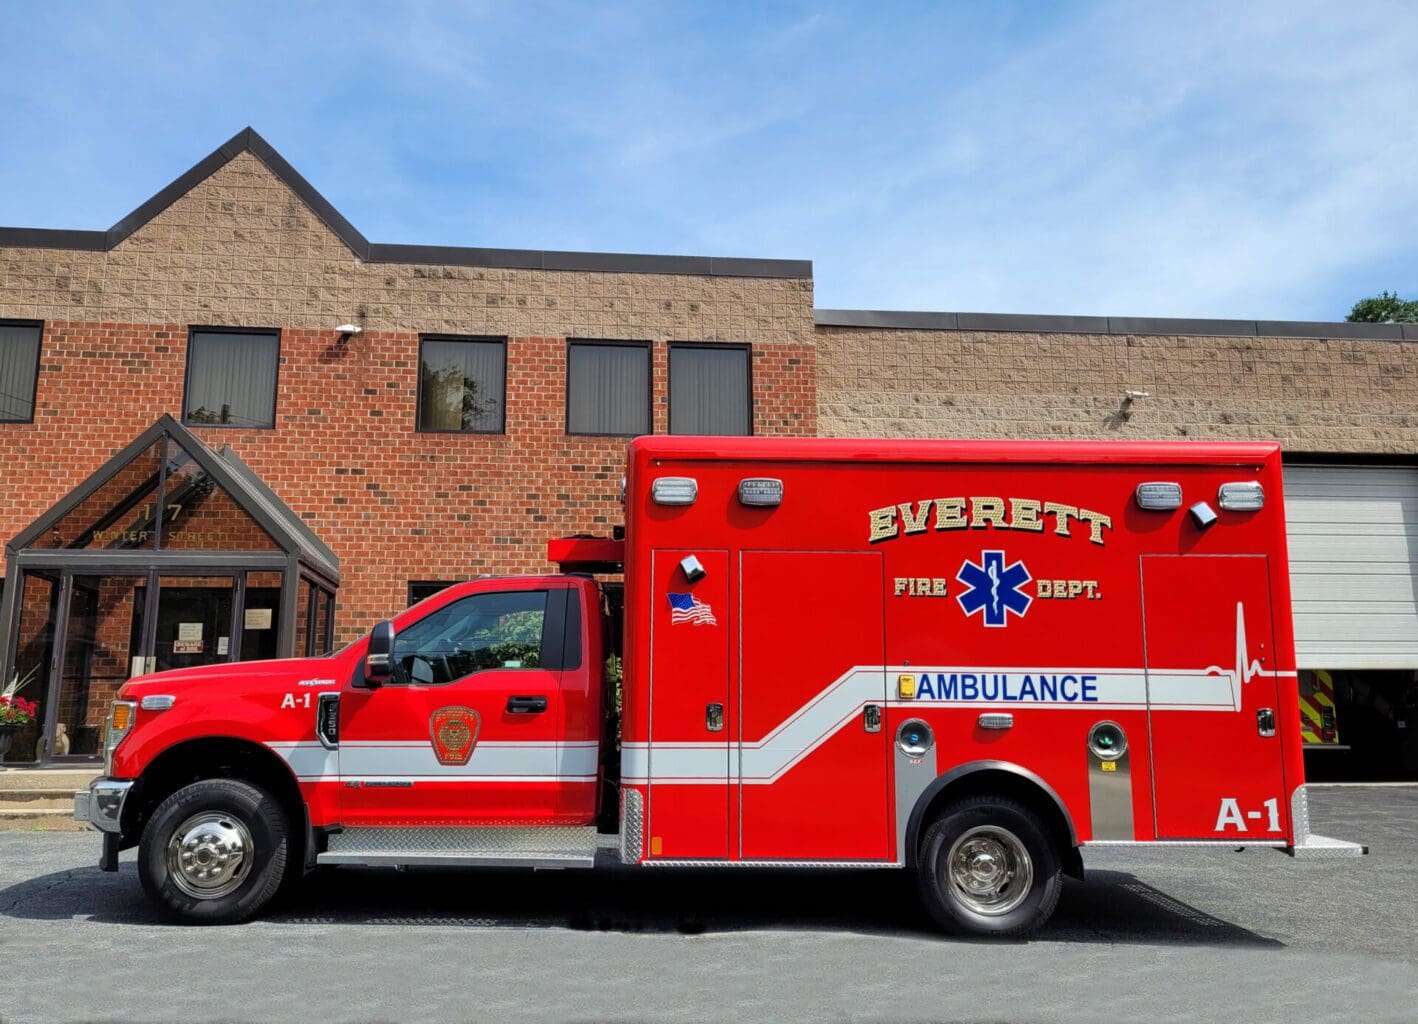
968	659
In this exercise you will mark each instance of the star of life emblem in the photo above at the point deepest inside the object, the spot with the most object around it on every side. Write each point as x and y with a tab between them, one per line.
993	588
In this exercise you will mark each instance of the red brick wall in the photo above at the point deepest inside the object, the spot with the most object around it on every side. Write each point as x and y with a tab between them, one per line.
394	504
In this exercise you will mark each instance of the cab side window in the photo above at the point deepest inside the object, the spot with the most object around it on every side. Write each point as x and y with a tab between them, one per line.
480	632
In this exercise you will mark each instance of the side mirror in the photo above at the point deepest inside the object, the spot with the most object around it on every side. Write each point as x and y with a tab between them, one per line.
378	658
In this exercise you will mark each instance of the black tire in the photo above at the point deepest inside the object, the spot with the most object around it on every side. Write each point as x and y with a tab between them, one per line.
232	806
990	819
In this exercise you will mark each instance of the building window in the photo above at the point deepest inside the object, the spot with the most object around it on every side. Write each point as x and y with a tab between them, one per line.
421	590
462	385
711	389
608	388
19	369
231	377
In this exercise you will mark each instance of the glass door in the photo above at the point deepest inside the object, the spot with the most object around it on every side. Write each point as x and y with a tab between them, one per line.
100	649
194	622
33	652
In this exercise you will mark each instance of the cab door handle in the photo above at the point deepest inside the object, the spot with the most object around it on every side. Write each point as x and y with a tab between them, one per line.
1265	721
714	717
526	705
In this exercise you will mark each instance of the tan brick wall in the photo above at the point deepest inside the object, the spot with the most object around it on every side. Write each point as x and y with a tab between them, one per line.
1312	395
240	249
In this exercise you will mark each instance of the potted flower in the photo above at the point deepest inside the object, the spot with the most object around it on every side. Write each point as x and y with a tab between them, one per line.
15	711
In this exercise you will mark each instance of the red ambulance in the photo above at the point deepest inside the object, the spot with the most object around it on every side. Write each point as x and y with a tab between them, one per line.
972	660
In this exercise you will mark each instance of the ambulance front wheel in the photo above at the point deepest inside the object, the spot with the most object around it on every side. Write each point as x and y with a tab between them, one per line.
987	866
214	852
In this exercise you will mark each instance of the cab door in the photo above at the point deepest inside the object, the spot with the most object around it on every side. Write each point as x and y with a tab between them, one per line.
466	731
1212	691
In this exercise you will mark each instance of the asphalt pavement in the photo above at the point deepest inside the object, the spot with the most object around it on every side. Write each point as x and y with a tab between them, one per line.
1151	935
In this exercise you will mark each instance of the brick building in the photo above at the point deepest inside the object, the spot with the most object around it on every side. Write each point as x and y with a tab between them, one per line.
484	401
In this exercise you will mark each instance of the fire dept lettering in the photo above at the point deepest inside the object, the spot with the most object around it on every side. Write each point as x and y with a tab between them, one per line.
997	687
1066	590
976	513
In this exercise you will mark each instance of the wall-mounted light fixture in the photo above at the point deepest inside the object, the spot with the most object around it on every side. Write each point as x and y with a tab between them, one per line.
348	331
1130	395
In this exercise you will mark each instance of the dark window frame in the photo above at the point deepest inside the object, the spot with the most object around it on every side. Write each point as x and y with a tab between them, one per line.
744	347
442	585
194	330
649	347
38	364
501	340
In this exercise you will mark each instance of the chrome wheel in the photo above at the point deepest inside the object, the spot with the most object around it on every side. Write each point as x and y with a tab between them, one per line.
210	855
989	870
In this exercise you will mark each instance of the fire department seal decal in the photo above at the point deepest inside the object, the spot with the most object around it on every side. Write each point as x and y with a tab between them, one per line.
454	733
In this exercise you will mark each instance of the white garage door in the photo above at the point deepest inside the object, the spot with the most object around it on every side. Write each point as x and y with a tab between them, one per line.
1353	535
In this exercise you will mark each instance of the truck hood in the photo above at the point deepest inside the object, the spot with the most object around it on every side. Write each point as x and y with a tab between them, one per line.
322	673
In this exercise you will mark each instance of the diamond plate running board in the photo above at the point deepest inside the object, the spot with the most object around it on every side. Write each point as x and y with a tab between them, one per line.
549	847
1324	848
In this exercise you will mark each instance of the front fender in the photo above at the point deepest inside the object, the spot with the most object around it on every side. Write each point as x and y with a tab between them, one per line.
256	717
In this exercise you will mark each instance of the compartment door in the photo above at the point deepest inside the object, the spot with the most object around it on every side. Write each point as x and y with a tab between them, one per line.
1216	751
812	763
689	713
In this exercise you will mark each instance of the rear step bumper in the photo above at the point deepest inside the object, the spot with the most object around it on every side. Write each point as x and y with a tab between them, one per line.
1324	848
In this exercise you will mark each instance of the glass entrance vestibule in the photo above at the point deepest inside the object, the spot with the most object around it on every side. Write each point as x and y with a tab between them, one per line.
171	556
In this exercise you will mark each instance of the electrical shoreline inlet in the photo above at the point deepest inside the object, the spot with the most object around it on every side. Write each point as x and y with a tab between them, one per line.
1006	683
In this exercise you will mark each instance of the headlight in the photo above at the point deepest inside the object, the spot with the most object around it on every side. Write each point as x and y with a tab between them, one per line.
120	720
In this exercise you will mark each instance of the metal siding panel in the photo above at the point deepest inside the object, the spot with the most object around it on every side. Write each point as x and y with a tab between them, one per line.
1353	534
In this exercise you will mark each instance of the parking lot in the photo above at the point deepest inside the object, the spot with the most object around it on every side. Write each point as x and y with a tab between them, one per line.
1151	935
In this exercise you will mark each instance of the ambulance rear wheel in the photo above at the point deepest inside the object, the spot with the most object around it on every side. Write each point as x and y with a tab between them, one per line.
214	852
988	867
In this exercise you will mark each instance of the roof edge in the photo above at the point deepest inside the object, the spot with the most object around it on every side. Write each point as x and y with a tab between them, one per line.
249	140
1117	325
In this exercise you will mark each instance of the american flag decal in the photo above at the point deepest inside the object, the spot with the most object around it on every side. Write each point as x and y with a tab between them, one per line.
688	608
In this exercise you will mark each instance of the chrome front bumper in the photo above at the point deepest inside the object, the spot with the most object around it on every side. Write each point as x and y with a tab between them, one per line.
101	805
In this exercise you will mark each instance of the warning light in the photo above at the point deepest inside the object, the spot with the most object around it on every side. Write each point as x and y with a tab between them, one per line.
906	687
1159	495
1241	496
765	492
674	490
1107	741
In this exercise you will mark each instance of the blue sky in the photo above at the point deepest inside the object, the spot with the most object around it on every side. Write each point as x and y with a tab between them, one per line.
1125	158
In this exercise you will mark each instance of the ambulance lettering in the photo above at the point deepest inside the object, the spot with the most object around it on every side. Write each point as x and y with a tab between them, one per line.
996	687
1231	815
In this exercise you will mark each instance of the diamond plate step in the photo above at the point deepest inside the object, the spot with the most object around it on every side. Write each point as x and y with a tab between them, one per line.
1325	848
549	847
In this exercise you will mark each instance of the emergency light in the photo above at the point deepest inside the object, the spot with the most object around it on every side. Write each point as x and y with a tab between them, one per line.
760	491
1241	496
674	490
1159	495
